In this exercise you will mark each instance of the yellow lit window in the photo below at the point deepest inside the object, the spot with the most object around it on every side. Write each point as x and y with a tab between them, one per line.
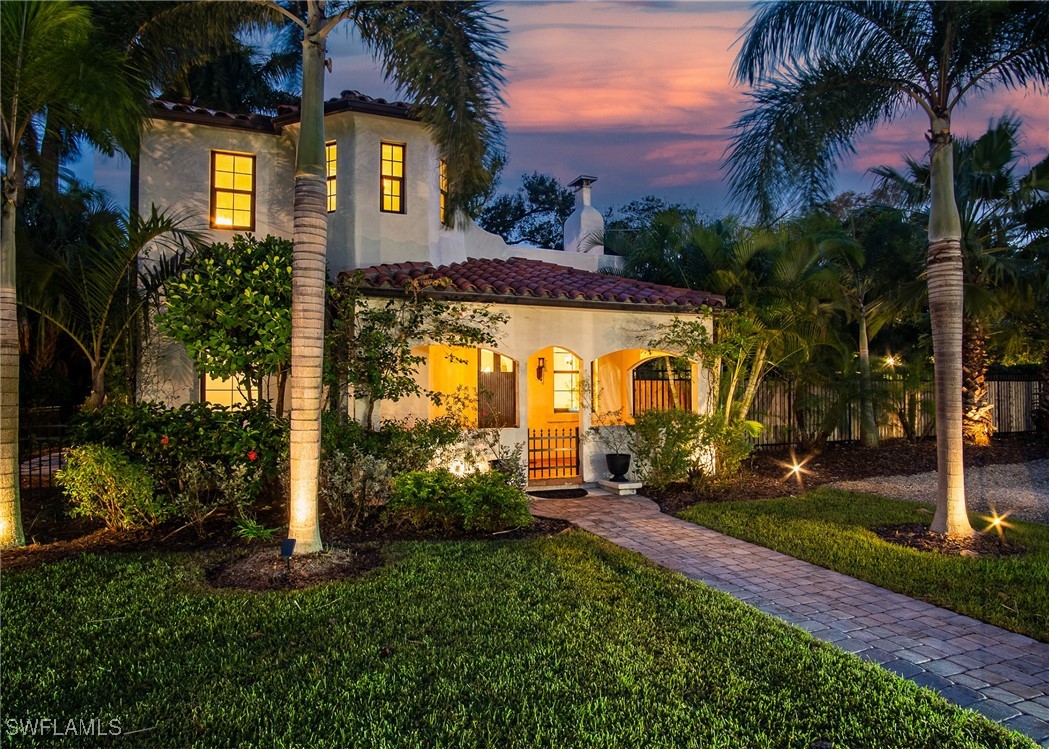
218	392
443	183
566	381
232	190
330	154
392	178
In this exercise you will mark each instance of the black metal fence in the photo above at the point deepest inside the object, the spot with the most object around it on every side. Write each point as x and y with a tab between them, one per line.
41	446
554	453
793	413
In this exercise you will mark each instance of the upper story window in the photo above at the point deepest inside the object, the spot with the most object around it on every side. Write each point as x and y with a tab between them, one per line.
566	381
232	190
442	178
392	178
330	157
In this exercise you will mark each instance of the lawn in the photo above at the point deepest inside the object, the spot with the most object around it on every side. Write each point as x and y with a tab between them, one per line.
832	529
565	641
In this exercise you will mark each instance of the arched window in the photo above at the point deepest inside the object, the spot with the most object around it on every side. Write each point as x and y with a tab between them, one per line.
663	383
496	390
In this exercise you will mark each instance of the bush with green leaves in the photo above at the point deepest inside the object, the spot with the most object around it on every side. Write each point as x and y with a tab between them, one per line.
103	482
482	501
359	463
199	455
231	309
353	485
671	446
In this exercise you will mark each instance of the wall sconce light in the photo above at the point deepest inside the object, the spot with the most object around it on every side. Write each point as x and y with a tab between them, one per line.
540	368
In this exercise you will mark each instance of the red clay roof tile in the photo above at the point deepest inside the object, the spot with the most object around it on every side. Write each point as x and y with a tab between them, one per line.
523	277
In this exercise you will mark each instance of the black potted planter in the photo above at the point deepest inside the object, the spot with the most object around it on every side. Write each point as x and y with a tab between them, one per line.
618	464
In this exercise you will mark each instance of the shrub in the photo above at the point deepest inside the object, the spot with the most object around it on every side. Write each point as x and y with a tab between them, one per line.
105	483
478	501
666	445
405	446
200	455
674	446
353	485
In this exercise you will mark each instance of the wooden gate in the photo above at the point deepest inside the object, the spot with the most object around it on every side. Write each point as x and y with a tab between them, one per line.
554	454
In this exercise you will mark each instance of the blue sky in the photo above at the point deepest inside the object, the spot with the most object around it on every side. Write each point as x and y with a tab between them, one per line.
640	94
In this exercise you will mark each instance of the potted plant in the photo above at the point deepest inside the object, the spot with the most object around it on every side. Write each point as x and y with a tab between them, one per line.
615	438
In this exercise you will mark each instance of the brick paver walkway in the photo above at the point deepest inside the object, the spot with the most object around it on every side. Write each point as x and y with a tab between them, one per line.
1001	674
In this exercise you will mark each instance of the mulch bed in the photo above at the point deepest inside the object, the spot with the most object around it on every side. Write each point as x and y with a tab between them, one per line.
918	536
265	570
57	537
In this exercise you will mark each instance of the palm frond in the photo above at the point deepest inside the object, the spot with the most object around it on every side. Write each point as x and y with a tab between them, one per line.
444	57
786	146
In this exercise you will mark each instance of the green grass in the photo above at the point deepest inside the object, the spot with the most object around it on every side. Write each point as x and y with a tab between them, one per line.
558	642
832	529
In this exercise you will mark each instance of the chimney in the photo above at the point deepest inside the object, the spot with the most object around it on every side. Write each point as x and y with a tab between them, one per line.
584	229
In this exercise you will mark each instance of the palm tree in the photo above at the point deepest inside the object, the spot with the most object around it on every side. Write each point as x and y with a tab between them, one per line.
443	57
987	191
49	63
91	288
828	72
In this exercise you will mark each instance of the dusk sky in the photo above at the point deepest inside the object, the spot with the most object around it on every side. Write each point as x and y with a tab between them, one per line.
641	95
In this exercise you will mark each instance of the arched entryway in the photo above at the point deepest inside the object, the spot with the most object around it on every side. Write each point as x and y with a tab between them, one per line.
630	381
555	377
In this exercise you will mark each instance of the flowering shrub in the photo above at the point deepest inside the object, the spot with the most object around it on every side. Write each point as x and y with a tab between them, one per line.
198	454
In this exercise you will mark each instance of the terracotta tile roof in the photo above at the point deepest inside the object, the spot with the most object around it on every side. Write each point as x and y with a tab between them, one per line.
173	110
347	101
534	279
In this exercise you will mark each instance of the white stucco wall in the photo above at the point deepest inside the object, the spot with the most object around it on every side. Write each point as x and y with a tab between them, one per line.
588	333
175	175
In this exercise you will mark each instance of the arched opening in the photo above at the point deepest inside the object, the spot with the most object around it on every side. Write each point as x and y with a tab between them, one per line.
662	383
630	381
484	379
555	380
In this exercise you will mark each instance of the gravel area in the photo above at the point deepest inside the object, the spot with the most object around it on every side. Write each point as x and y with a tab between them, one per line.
1022	489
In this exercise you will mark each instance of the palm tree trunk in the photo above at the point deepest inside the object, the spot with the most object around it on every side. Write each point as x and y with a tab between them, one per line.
98	388
308	294
945	277
868	424
10	502
976	410
757	372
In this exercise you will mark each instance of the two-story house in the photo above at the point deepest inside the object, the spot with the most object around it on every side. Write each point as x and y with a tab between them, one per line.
230	174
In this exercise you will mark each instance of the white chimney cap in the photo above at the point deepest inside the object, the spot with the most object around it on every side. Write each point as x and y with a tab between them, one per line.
583	180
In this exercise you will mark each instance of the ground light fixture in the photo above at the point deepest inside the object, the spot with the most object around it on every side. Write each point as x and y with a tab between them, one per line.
287	548
996	521
796	468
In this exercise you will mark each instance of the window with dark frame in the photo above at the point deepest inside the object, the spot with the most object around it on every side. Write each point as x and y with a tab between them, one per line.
232	190
392	175
497	390
331	157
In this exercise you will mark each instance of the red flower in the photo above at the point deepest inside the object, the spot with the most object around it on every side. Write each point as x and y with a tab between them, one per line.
164	440
252	455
